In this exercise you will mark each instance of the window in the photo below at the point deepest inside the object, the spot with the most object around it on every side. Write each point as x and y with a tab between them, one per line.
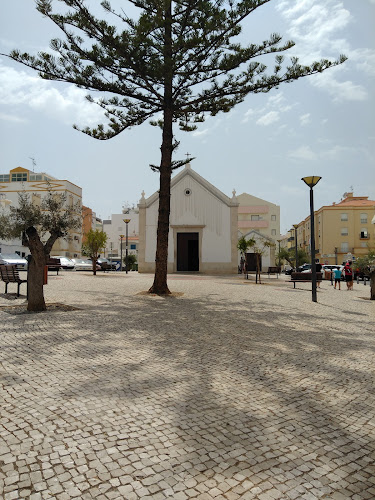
344	247
344	216
364	233
4	178
273	232
19	177
35	177
255	217
273	217
133	246
363	218
344	231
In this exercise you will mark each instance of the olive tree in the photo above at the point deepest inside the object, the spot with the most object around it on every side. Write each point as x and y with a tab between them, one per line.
39	225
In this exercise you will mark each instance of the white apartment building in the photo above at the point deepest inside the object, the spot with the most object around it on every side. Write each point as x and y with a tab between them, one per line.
115	228
37	185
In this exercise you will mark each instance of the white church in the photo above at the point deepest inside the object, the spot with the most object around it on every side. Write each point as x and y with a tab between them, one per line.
203	230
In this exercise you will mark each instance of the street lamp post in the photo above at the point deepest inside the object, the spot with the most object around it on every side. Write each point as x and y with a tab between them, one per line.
311	182
295	244
126	244
279	241
121	237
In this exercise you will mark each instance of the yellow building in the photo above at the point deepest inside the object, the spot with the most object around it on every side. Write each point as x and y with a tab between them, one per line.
342	230
37	184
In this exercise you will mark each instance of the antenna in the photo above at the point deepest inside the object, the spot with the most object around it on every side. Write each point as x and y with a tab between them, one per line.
33	162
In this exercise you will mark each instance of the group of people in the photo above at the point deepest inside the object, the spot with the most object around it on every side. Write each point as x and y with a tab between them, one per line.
348	274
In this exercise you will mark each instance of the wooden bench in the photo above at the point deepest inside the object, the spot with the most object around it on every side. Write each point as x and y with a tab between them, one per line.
274	270
54	265
9	274
304	278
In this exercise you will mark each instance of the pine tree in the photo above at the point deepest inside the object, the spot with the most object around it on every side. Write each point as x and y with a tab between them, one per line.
178	58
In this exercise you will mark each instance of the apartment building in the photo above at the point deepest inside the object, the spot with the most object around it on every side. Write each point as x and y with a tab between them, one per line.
255	214
37	184
342	230
115	228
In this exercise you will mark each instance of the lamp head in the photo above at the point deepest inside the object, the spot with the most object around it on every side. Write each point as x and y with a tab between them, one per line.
126	221
311	181
295	226
122	236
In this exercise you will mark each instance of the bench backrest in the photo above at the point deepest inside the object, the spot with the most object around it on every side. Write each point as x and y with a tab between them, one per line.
9	272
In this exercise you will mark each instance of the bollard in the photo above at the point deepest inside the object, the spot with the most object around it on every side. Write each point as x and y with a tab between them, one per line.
357	279
364	280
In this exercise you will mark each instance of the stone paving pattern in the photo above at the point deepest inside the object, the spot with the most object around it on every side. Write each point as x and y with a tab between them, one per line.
230	391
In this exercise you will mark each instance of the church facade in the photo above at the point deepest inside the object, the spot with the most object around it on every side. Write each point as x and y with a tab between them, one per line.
203	232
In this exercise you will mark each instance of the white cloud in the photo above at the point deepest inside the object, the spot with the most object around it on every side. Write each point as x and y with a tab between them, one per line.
341	91
203	132
12	118
268	119
337	152
319	30
250	112
305	119
302	153
314	26
68	104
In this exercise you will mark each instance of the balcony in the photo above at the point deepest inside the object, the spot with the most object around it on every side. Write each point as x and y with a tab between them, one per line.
364	236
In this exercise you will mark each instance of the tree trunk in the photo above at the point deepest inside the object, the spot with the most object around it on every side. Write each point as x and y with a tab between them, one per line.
372	285
35	274
258	267
161	259
94	258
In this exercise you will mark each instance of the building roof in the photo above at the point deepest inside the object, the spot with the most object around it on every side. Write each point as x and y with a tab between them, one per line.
356	201
192	173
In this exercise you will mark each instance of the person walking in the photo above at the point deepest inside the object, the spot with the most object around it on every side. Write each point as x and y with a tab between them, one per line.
337	275
348	275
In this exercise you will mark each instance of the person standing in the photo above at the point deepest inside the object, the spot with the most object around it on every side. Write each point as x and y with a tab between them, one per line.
337	275
318	268
348	275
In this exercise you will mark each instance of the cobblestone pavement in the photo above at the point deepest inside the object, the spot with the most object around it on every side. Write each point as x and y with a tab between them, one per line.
229	390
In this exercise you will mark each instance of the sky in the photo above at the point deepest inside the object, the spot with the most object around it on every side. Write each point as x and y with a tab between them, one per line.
320	125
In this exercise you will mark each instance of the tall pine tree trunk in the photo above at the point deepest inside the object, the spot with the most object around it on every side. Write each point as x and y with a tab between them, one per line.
161	260
35	275
372	285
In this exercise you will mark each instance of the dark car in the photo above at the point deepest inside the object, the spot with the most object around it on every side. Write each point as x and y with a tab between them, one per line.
106	265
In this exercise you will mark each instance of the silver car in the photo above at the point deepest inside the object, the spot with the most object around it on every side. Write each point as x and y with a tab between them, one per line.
65	262
83	265
14	259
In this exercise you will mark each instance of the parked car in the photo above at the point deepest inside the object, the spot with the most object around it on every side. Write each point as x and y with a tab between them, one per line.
331	267
360	274
83	265
65	262
14	258
305	268
106	265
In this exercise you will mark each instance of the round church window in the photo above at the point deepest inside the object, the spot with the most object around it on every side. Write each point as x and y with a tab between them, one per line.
187	191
